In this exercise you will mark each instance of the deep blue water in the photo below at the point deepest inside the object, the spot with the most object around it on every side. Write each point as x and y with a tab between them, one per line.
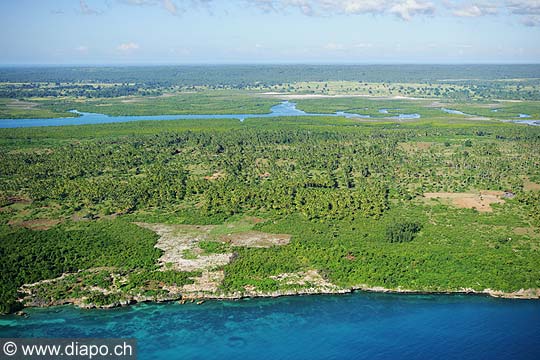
355	326
286	108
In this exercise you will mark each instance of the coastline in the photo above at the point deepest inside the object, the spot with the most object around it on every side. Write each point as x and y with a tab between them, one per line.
200	298
524	294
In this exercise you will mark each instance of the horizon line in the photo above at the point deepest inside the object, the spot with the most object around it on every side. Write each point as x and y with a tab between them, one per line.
150	64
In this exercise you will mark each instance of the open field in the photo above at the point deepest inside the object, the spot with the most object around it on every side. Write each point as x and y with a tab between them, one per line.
449	90
17	109
480	201
202	102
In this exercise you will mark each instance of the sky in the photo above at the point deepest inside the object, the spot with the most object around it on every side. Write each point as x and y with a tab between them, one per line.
88	32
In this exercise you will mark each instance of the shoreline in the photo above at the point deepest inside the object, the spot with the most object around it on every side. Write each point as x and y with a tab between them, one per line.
200	298
522	294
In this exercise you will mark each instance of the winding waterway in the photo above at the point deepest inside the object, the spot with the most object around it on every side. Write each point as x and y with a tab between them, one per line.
286	108
354	326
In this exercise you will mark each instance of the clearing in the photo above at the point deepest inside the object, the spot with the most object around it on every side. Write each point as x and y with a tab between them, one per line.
528	185
256	239
480	201
180	247
180	243
181	250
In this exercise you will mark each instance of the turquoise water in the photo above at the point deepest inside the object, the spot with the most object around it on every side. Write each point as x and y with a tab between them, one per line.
355	326
286	108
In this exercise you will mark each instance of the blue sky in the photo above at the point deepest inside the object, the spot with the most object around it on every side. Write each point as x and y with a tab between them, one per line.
269	31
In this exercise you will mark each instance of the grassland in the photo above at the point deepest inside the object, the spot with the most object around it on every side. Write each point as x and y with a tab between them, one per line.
195	102
21	109
502	95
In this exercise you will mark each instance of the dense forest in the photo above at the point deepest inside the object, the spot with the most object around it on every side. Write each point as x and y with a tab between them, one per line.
40	90
242	75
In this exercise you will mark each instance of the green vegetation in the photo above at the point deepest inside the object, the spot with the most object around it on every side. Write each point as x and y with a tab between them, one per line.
97	287
193	102
242	76
214	247
168	90
426	108
336	185
349	191
29	256
17	109
402	232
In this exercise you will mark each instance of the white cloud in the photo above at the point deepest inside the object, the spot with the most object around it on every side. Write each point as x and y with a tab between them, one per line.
533	20
407	9
358	6
525	11
529	10
404	9
469	11
474	9
524	7
126	47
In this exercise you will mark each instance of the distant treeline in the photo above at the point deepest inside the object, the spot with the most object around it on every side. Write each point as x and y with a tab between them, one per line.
240	76
32	90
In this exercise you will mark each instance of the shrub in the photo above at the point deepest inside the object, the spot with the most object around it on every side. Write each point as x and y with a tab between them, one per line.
402	232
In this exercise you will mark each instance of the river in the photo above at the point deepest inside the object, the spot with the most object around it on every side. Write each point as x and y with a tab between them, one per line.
286	108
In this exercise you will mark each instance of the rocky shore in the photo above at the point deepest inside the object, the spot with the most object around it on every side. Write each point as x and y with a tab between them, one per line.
200	297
